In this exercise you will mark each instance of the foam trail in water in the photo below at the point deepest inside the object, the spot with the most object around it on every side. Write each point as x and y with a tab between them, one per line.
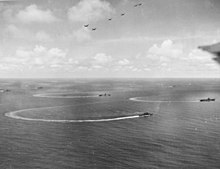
138	99
15	116
56	96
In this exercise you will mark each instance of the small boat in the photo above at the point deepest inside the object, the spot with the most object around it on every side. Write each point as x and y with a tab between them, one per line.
207	100
105	94
145	114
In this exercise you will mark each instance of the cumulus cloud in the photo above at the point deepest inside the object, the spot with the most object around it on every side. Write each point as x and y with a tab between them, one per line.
33	14
101	59
167	48
43	36
39	56
82	34
124	62
167	53
90	10
197	55
8	15
14	31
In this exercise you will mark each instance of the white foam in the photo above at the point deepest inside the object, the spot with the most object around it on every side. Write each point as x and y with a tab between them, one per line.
15	115
47	95
138	99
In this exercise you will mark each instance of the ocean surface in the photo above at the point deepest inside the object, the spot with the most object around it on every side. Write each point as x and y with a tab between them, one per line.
95	123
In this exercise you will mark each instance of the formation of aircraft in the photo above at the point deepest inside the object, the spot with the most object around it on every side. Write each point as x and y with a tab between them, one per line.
110	19
136	5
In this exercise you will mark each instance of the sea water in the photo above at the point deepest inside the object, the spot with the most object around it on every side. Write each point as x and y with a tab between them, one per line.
66	124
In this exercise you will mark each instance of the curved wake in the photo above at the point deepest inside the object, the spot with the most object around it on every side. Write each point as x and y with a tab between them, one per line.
15	116
57	96
138	99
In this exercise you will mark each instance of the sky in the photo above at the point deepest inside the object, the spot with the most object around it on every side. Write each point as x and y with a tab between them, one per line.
158	39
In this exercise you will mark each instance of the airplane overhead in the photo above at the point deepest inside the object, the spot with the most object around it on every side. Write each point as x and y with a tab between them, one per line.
213	49
110	19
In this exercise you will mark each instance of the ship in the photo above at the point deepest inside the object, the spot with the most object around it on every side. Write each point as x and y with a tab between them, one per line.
145	114
105	94
207	100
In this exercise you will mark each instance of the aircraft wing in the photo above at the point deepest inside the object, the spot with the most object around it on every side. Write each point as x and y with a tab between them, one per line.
214	49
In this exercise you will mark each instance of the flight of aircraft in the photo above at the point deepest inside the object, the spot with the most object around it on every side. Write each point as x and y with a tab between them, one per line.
110	19
136	5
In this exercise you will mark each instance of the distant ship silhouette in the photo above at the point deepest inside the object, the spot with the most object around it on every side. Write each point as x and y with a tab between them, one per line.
145	114
207	100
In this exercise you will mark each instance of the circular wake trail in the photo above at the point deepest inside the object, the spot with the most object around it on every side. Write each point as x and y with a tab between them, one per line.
15	115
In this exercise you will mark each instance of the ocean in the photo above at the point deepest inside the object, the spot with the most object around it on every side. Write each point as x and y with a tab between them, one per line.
95	123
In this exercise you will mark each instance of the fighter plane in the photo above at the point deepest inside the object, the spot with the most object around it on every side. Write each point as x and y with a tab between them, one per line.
136	5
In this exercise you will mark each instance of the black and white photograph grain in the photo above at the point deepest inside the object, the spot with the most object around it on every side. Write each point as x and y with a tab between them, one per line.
109	84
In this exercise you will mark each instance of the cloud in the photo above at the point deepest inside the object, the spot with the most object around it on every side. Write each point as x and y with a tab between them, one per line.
7	15
197	55
124	62
90	10
101	59
13	31
170	57
82	35
33	14
42	36
167	48
39	56
167	54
